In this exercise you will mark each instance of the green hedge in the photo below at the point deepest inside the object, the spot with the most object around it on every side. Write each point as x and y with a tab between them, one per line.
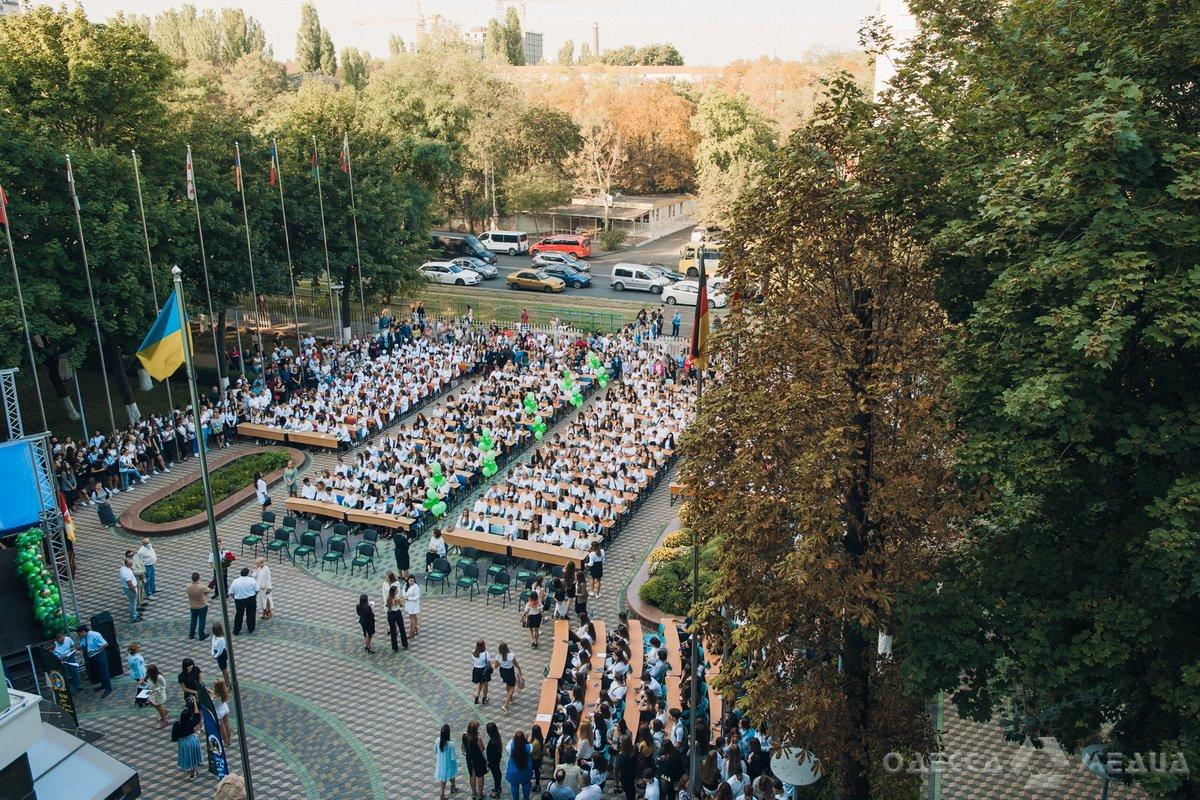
227	480
670	586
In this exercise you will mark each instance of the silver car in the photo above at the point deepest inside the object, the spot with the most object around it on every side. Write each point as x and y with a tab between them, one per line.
476	265
544	259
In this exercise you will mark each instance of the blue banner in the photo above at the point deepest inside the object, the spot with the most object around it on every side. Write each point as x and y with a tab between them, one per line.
213	742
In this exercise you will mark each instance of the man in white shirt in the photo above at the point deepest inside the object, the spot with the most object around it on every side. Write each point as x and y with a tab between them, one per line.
129	588
587	791
244	591
150	559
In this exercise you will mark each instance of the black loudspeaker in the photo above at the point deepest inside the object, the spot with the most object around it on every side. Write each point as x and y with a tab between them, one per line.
102	624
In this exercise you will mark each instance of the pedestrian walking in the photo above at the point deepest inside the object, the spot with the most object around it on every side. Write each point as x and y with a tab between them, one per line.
595	565
520	766
676	321
481	671
197	594
395	617
262	576
447	761
150	560
93	646
366	620
510	673
260	491
156	683
219	647
221	706
533	617
129	588
245	595
494	752
412	605
189	757
473	754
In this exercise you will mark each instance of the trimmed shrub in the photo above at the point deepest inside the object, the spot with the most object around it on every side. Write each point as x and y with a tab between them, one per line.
225	481
679	538
611	239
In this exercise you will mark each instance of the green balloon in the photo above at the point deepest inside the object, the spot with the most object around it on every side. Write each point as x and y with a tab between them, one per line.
439	509
537	434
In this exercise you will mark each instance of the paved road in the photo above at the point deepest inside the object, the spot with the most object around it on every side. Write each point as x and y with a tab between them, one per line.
663	251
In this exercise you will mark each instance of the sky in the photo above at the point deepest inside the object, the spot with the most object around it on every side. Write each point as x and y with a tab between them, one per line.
705	31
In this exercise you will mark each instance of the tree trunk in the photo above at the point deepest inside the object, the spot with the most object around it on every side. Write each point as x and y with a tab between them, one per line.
116	361
54	372
219	356
856	784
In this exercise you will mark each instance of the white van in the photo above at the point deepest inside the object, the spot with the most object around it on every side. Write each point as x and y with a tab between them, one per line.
511	242
638	277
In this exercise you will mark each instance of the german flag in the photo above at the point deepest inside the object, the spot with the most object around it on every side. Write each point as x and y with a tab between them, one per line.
699	351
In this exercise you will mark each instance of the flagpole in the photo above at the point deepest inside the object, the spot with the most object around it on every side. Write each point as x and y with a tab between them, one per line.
87	272
362	298
212	318
249	255
137	177
325	240
194	391
12	257
694	653
287	245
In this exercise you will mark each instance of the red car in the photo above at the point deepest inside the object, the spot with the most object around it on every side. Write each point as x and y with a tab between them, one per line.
578	246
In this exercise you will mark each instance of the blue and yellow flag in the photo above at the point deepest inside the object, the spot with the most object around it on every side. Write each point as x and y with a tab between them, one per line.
161	352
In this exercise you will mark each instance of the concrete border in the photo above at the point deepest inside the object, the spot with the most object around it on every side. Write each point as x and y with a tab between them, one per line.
648	614
131	520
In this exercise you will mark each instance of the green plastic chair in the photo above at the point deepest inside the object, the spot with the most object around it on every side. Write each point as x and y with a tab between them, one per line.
364	557
500	587
468	580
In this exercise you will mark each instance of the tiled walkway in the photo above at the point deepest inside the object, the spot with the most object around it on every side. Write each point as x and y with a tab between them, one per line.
324	718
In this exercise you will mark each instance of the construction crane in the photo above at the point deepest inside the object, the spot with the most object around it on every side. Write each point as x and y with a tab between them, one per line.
520	5
423	22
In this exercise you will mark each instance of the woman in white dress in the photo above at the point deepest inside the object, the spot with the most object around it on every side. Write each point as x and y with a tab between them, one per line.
262	574
412	605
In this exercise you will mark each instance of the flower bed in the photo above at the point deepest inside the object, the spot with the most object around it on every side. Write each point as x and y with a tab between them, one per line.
669	586
225	481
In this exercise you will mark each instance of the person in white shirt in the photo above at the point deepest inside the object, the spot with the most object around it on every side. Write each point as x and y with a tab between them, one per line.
150	559
244	590
262	576
129	588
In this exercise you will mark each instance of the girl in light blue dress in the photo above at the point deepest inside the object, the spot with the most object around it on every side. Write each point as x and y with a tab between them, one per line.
190	757
447	762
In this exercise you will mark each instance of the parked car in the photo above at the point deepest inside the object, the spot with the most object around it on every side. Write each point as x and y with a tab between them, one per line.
689	258
708	233
511	242
475	265
535	279
542	259
638	278
449	272
571	276
666	271
578	246
685	293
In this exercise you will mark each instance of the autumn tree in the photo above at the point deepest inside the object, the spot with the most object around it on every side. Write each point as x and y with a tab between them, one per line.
654	122
822	455
566	53
735	142
595	166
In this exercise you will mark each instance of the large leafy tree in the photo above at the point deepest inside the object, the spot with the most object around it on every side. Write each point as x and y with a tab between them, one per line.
308	40
822	456
1068	235
735	141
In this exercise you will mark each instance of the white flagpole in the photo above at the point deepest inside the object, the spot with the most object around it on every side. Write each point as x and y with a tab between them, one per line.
241	181
137	177
337	335
87	272
362	301
287	245
185	327
212	318
12	257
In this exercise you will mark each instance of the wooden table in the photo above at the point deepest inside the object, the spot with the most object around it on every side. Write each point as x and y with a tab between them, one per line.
592	694
546	553
673	698
257	431
313	438
671	641
379	519
487	542
317	507
546	703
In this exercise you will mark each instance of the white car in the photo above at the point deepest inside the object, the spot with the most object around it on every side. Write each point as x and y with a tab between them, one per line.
685	293
543	259
449	272
707	233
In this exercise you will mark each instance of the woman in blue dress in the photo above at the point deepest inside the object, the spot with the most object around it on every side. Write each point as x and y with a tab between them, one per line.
183	733
447	762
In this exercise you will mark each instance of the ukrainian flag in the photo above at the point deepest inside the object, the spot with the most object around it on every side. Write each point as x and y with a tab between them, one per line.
161	352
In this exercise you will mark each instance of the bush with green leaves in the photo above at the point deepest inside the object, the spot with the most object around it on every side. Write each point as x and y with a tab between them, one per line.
611	239
670	586
225	481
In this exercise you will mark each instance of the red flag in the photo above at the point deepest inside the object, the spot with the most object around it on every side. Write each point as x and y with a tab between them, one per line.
273	177
313	162
344	156
3	208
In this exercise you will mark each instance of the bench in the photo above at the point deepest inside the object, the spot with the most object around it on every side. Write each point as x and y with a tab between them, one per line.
255	431
637	660
313	438
678	489
378	519
546	703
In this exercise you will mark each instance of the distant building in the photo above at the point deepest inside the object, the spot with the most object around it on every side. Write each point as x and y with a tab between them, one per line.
622	76
904	27
533	48
476	38
643	217
8	7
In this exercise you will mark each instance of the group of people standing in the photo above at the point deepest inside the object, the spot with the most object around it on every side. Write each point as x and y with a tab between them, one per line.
520	757
401	598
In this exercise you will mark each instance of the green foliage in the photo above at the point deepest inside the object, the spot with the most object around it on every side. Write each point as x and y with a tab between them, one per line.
650	55
328	54
252	84
611	238
514	38
308	40
356	67
396	45
670	586
566	53
186	34
225	481
735	142
495	44
1067	230
536	189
